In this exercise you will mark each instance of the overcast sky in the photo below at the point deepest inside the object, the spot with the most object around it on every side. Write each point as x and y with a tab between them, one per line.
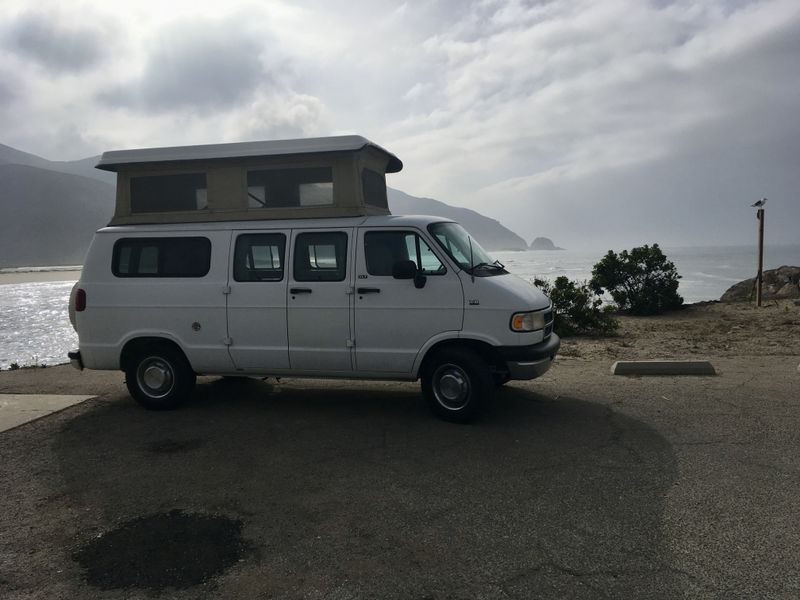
597	123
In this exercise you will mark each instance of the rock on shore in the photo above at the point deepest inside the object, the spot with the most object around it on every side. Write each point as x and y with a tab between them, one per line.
543	243
783	282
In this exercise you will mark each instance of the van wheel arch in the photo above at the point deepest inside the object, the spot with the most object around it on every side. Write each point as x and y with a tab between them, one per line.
157	373
490	356
136	346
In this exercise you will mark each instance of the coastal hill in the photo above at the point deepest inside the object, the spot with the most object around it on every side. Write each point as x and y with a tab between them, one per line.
51	209
83	167
543	243
491	234
48	216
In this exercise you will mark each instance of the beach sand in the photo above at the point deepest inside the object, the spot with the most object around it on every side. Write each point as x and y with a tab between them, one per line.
38	276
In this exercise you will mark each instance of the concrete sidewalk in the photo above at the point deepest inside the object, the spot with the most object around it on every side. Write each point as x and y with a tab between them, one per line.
16	409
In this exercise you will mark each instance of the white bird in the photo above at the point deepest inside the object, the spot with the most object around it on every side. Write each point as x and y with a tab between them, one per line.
760	203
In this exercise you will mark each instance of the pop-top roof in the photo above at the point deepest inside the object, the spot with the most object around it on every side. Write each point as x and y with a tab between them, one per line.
111	161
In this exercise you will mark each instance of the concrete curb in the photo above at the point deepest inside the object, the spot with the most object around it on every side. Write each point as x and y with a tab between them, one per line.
662	367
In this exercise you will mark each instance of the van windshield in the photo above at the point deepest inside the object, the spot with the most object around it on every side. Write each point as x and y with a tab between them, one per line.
455	240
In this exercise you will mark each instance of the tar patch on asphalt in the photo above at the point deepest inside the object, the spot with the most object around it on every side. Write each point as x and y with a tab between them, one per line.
170	550
173	446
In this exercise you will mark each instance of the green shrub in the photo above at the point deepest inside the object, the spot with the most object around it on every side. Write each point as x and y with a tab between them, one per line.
641	282
578	308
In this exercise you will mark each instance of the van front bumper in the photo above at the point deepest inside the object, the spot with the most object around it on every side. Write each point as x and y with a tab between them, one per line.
529	362
75	359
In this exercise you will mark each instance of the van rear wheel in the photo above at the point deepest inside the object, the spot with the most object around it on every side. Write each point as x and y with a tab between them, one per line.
159	377
456	384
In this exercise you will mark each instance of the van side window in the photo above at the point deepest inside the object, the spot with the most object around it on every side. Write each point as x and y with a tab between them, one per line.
374	188
281	188
168	193
259	257
161	257
320	256
384	248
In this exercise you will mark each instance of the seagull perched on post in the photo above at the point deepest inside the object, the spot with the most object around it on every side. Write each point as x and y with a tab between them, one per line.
760	203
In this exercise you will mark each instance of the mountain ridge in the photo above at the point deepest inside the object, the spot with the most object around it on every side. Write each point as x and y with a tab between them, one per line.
83	167
35	230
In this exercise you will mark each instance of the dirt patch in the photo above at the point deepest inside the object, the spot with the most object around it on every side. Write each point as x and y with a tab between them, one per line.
171	550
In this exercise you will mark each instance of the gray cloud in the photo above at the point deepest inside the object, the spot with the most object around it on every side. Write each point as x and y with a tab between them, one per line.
8	91
551	112
281	115
198	64
57	46
699	191
700	196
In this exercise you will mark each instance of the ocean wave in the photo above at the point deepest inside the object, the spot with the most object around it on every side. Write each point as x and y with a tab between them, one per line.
41	269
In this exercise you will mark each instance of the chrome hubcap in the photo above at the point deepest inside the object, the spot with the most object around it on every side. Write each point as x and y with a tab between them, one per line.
451	386
155	377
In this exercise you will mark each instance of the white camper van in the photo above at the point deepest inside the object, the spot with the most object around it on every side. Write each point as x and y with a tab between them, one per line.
281	258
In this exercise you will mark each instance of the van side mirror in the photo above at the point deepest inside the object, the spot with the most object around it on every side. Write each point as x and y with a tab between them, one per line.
407	269
404	269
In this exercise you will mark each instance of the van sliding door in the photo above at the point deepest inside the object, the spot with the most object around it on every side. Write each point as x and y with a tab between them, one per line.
319	301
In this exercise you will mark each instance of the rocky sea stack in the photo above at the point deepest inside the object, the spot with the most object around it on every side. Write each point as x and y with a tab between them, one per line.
783	282
543	243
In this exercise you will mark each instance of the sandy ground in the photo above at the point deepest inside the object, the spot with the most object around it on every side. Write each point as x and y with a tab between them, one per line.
580	484
39	276
699	331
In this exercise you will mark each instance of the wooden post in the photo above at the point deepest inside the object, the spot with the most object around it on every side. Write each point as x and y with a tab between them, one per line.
760	280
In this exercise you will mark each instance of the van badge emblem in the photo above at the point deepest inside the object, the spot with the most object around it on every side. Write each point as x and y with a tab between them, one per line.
196	326
362	276
474	302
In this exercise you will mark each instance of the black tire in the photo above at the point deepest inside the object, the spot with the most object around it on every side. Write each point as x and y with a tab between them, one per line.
159	377
456	384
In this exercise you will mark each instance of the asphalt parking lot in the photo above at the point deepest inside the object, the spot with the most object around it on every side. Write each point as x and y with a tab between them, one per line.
579	485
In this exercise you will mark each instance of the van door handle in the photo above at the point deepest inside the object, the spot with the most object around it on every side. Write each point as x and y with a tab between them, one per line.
300	290
368	290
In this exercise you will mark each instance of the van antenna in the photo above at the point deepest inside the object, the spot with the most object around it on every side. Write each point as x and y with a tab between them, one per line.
471	261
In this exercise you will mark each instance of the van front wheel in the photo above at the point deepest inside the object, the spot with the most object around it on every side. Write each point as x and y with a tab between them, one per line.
159	378
456	384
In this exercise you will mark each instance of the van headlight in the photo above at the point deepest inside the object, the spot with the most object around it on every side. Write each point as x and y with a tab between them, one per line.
528	321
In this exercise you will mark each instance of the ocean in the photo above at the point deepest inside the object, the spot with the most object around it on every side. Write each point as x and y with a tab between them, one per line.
35	327
706	272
